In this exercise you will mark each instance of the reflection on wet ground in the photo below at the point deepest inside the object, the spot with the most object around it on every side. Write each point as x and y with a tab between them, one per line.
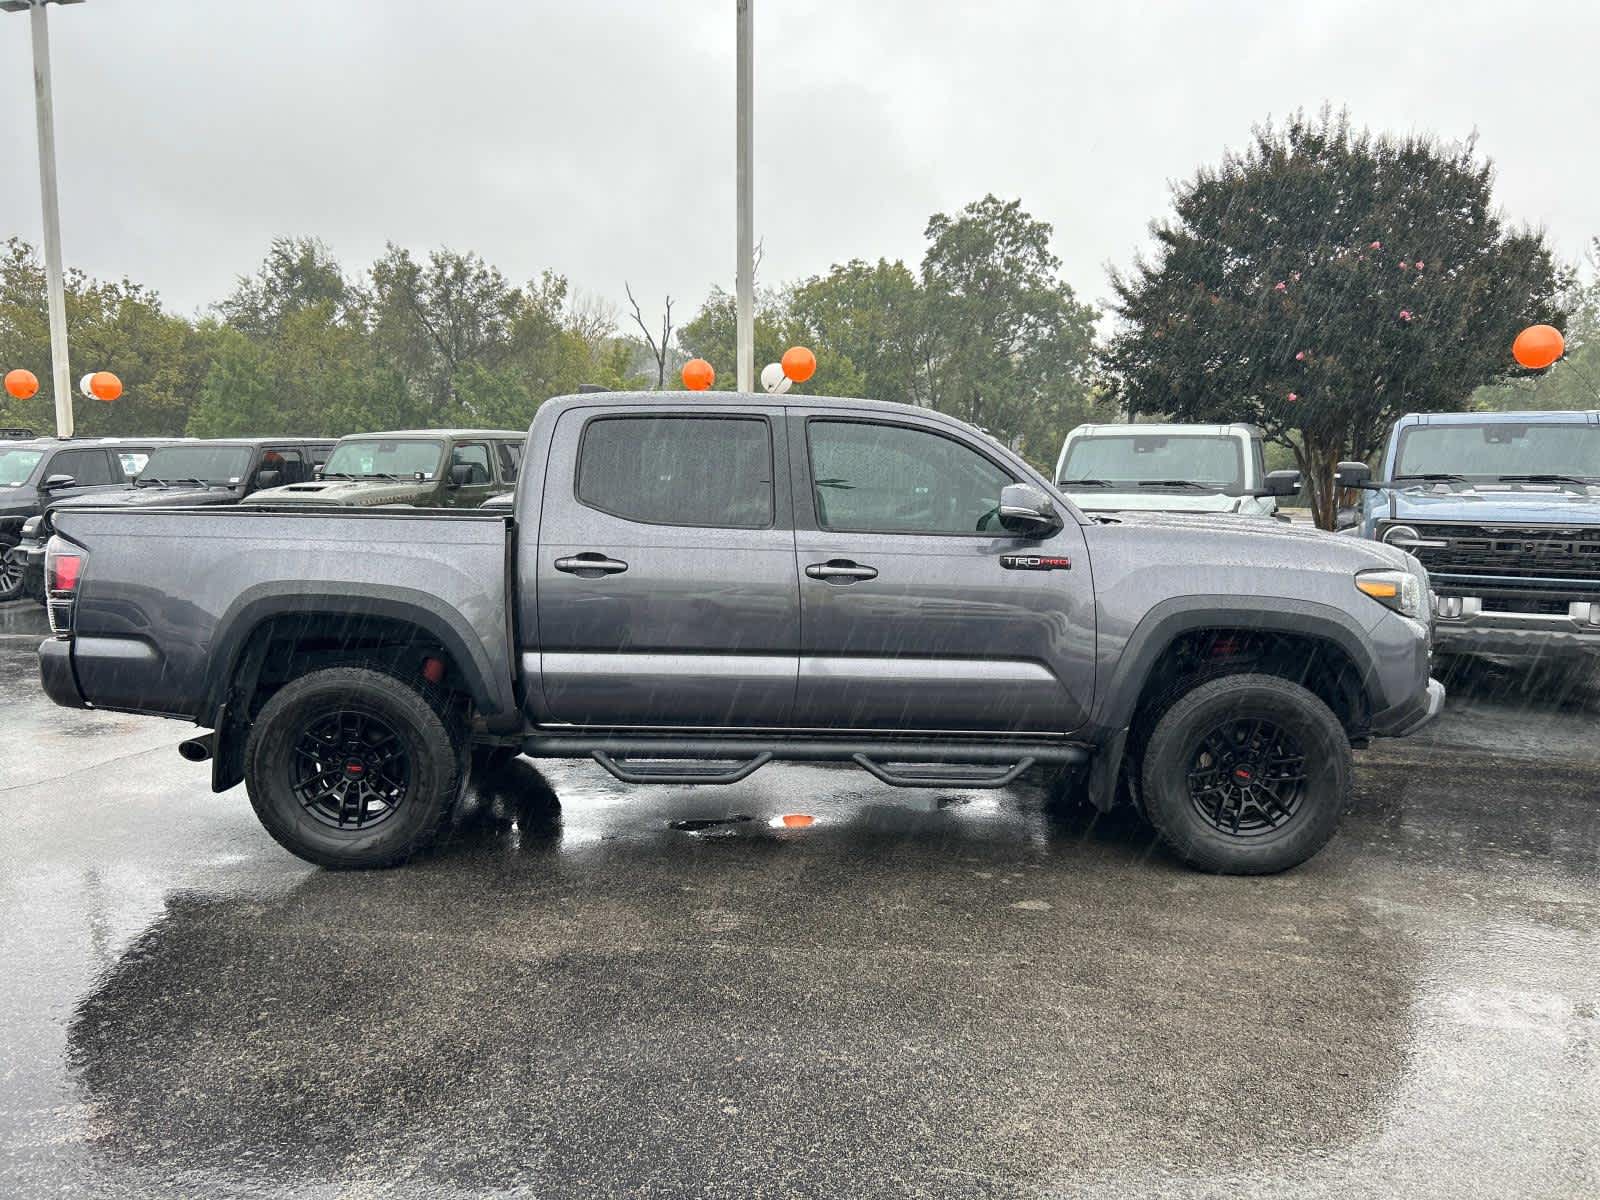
595	989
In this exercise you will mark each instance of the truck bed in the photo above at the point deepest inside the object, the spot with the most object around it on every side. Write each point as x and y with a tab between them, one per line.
169	597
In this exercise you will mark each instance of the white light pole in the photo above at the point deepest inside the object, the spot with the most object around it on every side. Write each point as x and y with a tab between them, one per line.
54	280
744	279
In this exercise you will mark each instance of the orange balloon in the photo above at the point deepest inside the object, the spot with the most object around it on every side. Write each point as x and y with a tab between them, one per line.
698	375
21	384
105	386
1538	346
799	364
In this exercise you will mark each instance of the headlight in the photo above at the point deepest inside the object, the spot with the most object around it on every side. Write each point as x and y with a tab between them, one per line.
1398	590
1407	538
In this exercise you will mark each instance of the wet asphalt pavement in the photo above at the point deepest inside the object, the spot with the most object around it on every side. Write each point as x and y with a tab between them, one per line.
925	994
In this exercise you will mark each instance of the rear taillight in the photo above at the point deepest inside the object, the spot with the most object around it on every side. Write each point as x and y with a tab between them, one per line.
63	571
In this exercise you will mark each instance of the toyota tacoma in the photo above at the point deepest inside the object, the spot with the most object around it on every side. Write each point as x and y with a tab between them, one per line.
687	590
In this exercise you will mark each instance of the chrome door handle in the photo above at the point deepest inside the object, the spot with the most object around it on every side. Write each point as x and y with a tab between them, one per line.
591	565
840	570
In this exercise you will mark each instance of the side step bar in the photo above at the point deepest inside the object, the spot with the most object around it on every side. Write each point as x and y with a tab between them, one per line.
942	763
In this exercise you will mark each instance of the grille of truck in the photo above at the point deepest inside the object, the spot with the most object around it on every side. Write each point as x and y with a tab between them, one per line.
1509	551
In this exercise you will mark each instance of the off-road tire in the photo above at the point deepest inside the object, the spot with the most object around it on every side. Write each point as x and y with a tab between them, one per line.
11	574
436	763
1170	753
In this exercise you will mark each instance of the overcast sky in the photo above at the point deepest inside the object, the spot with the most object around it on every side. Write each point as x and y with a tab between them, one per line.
595	137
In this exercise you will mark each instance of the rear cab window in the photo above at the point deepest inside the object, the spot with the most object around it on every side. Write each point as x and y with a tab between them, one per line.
705	472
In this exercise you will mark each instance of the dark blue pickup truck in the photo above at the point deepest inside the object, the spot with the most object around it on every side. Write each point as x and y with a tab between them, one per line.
1503	509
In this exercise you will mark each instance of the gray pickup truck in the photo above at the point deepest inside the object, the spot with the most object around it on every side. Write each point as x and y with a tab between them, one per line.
687	590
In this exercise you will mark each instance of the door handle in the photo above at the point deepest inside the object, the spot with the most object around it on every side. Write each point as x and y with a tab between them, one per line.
841	570
590	565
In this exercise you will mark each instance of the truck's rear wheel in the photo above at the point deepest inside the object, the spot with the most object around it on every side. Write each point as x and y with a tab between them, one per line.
1246	775
349	767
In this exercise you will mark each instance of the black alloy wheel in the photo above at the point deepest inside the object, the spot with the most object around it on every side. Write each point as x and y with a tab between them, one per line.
1245	774
350	769
10	575
1247	777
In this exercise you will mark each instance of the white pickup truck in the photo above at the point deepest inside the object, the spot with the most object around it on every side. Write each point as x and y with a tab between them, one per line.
1171	468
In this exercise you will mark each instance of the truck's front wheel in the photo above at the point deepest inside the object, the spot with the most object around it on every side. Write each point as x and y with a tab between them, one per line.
1246	775
349	767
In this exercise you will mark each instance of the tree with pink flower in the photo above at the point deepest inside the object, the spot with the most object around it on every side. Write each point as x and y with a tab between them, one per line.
1326	365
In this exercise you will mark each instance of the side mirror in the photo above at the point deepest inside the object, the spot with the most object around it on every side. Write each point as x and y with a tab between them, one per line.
1281	483
268	479
1352	475
1025	510
55	483
1347	518
317	469
460	475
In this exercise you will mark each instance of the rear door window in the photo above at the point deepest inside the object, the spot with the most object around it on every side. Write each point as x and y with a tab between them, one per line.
709	472
510	460
88	468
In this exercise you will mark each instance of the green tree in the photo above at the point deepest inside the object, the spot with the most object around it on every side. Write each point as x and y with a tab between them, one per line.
1572	383
1323	282
294	355
113	326
866	321
710	335
1008	346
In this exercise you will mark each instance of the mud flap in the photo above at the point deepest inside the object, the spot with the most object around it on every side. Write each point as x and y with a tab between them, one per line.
227	755
1105	770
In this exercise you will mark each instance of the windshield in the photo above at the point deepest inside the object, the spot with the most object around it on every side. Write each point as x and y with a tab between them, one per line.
1127	460
380	458
208	464
1484	452
17	465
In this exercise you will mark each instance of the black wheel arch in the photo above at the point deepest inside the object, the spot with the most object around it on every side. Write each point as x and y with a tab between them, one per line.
238	649
1138	667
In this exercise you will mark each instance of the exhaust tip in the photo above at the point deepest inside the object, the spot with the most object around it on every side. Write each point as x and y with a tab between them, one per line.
196	749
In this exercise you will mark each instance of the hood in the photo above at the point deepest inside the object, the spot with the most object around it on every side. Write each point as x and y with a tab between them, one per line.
154	497
1531	508
350	493
1153	500
1255	535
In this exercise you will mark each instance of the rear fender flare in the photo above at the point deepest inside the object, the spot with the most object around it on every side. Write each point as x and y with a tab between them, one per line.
491	695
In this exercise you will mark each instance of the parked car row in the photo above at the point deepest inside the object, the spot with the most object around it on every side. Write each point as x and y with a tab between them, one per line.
1503	509
421	468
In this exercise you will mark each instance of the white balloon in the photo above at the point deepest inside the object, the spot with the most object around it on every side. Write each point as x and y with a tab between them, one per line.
83	385
774	380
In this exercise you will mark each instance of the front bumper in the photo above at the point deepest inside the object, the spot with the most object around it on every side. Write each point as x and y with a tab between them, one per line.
1485	631
1410	715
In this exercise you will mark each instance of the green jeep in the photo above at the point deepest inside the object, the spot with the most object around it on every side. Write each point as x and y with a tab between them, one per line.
421	468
